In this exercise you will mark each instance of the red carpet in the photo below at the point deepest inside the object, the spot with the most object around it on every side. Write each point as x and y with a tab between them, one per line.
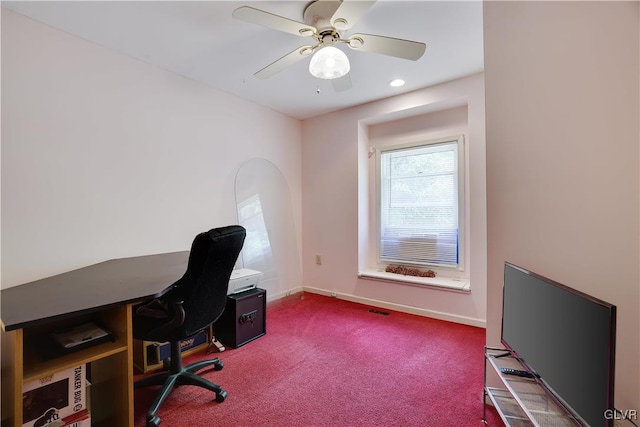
329	362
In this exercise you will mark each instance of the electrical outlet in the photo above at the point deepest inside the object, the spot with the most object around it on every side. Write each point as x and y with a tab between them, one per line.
319	259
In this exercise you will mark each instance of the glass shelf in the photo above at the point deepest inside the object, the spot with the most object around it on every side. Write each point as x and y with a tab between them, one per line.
523	401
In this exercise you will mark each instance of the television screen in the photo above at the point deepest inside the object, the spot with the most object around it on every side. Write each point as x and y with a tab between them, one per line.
564	336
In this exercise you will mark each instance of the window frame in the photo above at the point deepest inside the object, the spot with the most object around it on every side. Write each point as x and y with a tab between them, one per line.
459	140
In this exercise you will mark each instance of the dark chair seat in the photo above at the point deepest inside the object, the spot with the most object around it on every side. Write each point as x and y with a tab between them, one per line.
191	304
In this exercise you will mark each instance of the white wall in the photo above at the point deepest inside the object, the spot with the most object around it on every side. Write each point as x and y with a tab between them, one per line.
104	156
335	199
562	86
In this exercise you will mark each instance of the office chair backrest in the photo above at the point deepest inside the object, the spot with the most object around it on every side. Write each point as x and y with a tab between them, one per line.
204	285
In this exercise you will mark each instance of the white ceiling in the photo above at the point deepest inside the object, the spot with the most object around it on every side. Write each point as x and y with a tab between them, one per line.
202	41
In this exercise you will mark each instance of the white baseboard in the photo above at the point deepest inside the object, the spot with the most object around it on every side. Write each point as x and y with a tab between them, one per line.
279	295
393	306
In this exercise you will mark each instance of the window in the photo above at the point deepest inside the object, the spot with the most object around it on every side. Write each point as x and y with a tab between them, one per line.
420	203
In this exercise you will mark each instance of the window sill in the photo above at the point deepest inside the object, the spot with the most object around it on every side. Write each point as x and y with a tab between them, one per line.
448	283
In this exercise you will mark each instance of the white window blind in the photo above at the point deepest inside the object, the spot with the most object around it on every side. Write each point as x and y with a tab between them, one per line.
419	204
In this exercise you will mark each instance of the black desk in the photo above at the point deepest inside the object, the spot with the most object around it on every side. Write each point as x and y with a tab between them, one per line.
104	292
96	287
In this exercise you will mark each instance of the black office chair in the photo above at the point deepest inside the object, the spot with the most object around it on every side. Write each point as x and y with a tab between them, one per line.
192	304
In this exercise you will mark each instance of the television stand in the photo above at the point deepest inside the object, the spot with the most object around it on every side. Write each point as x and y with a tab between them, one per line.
523	401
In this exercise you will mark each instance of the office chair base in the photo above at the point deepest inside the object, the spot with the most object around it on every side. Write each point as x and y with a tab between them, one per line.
177	377
220	397
153	422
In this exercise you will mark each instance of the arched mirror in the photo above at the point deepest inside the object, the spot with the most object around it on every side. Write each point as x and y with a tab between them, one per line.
264	208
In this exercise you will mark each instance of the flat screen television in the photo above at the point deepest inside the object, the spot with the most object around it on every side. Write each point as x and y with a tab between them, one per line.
566	337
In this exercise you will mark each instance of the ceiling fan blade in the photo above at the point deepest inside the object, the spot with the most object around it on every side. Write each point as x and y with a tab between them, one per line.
284	62
399	48
277	22
349	12
341	84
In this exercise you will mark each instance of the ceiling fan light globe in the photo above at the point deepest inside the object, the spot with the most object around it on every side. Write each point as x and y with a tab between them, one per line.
329	63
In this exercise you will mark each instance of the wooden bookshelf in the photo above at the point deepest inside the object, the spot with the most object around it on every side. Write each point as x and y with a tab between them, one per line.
110	365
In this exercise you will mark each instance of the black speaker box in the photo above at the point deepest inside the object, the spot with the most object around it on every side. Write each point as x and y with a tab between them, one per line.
243	319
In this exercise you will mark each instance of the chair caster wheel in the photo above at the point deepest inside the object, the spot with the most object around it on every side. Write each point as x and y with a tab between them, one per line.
221	396
153	421
218	366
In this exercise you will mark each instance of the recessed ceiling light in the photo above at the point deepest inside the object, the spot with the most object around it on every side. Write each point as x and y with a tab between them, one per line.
396	83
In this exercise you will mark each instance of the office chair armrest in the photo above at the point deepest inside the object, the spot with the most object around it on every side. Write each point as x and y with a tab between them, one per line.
177	316
173	300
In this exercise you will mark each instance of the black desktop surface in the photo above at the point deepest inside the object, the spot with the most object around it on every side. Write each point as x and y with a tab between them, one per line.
92	288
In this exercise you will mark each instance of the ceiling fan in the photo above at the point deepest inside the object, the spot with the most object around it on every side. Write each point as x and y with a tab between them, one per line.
326	21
